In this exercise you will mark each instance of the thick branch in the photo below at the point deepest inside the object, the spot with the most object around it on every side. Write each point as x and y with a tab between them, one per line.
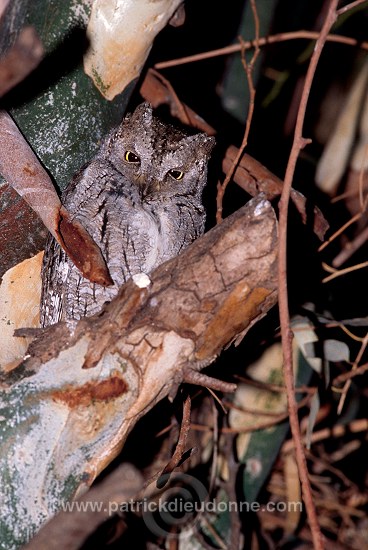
86	384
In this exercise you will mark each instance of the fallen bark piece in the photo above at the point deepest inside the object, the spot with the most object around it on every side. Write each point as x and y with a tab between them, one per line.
68	409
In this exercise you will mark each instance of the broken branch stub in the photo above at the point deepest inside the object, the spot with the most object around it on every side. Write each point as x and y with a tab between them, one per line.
87	383
255	178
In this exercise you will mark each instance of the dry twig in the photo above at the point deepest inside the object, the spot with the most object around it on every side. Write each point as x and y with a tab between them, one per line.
360	425
298	143
183	436
347	384
351	374
338	273
248	68
263	41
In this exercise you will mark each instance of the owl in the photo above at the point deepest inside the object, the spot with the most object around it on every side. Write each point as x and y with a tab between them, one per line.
140	198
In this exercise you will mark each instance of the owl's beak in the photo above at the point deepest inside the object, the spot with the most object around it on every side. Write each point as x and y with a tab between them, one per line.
152	187
147	185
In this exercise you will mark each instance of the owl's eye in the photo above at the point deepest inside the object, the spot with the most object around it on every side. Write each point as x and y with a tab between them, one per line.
176	174
132	157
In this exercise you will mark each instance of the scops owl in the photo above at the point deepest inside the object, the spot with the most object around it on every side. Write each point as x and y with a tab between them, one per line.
140	198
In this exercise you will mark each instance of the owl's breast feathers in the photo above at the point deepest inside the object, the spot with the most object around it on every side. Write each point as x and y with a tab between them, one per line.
136	233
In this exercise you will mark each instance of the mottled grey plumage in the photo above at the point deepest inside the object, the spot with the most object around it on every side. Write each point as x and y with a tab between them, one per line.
140	200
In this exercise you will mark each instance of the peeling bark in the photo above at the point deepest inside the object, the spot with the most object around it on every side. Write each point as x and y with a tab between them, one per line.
21	168
115	56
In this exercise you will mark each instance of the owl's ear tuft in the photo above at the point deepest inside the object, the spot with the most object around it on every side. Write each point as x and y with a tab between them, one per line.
203	142
143	112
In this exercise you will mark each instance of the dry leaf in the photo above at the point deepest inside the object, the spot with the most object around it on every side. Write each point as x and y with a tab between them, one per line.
335	158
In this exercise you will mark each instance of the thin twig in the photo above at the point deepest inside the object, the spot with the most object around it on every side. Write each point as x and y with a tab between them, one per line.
340	230
344	329
351	374
182	440
360	239
357	426
298	143
363	203
338	273
273	388
347	194
248	67
217	399
354	367
350	248
277	419
263	41
252	411
215	451
327	466
350	6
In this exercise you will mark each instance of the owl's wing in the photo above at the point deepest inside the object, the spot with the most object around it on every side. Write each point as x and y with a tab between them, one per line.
55	266
54	269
